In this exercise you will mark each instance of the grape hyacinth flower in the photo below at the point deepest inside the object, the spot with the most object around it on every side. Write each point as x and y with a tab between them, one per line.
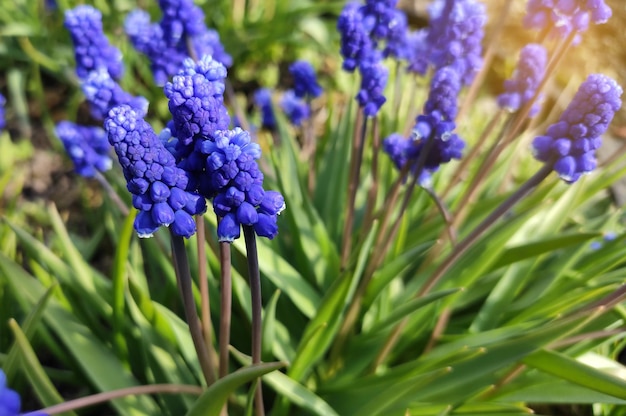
180	34
380	15
418	51
157	184
565	16
455	36
87	146
91	47
522	87
235	183
296	109
10	402
196	102
103	93
398	45
3	122
373	81
570	144
305	82
263	100
356	43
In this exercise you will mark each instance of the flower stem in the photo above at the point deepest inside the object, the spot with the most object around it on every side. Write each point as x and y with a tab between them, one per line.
203	282
111	193
462	247
183	277
254	277
225	306
115	394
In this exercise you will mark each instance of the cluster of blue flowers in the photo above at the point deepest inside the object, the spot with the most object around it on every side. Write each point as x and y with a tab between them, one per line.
521	88
263	101
181	33
570	144
295	101
564	16
10	401
157	184
87	146
103	93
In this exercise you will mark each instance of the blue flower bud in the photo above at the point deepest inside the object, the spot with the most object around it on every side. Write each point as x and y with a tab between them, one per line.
228	229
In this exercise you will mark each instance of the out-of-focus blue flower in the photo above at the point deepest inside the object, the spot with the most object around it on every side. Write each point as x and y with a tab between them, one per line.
157	184
103	93
444	91
91	48
455	37
398	44
296	109
167	43
373	81
87	146
570	144
3	122
304	80
356	43
263	100
522	87
565	16
380	15
235	183
418	52
10	402
196	101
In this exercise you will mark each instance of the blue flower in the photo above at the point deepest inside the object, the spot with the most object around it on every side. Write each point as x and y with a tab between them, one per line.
570	144
196	101
10	402
157	184
305	82
356	43
444	91
103	93
91	48
522	86
296	109
263	100
373	81
418	51
564	16
167	43
87	146
3	121
455	36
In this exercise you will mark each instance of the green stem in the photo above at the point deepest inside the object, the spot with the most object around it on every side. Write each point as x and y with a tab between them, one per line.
116	394
254	277
183	277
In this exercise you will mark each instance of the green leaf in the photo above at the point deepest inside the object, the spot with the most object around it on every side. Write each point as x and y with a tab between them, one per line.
214	398
569	369
269	326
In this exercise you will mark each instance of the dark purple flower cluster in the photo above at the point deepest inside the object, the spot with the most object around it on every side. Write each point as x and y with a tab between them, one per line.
263	100
196	101
87	146
570	144
565	16
167	43
304	80
157	184
3	121
235	183
356	43
371	96
522	87
103	93
91	48
455	36
295	108
10	401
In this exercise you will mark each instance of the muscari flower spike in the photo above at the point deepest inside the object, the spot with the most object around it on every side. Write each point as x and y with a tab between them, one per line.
356	43
103	93
87	146
235	182
522	87
91	47
263	100
565	16
304	79
10	401
374	77
455	36
167	43
157	184
295	108
570	144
